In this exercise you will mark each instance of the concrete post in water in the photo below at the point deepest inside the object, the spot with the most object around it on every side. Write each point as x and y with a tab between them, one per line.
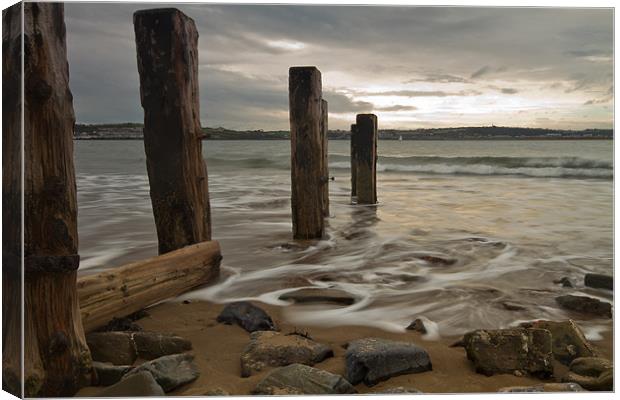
56	360
366	158
353	162
325	163
307	173
166	41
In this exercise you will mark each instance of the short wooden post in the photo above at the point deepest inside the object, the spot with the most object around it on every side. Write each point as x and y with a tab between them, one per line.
353	162
306	152
325	163
166	41
366	152
57	361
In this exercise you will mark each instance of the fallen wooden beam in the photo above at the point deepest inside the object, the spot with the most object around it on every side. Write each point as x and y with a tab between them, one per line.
122	291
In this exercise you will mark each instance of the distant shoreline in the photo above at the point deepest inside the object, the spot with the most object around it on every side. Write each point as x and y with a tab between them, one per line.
381	139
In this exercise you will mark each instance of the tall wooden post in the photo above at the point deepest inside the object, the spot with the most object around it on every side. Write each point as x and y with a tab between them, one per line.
305	93
57	361
325	163
366	152
353	161
166	41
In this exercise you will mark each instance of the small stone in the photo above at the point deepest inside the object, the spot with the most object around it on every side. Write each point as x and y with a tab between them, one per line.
139	384
599	281
115	347
217	392
590	366
437	260
418	326
273	349
568	340
604	382
518	373
150	345
297	379
171	371
108	374
506	350
319	295
512	306
374	360
545	387
121	325
564	281
187	301
585	304
397	390
246	315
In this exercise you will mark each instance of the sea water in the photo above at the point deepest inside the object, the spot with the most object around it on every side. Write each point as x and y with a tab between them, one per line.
510	216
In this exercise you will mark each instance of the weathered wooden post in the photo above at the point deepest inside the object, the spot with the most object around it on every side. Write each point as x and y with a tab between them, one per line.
366	156
166	41
306	152
325	163
353	162
57	361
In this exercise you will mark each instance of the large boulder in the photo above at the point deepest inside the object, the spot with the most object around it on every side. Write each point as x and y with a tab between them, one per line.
599	281
274	349
246	315
296	379
136	385
151	345
108	374
505	351
319	295
115	347
171	371
544	387
592	373
568	341
585	304
373	360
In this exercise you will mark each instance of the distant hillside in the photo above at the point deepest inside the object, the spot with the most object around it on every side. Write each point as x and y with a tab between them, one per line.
130	131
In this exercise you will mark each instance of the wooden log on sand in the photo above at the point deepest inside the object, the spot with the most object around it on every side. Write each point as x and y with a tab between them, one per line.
325	163
166	41
366	156
56	359
306	152
122	291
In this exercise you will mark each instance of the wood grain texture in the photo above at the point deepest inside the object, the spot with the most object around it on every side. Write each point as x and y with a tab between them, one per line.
306	152
123	290
57	361
167	52
366	158
353	161
325	158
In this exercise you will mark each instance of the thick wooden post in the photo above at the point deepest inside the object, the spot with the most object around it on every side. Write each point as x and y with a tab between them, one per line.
366	152
166	41
12	306
353	162
325	163
306	152
57	361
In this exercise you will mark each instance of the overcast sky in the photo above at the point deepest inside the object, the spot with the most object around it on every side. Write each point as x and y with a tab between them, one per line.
412	66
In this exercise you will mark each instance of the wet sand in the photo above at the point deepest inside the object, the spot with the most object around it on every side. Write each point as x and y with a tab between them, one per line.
217	349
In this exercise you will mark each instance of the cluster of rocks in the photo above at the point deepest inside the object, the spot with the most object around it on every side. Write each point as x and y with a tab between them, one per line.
294	355
532	348
585	304
164	366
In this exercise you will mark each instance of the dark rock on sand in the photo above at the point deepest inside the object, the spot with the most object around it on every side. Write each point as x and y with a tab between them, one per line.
545	387
374	360
593	373
115	347
274	349
437	260
150	345
319	295
298	379
599	281
109	374
139	384
568	341
564	281
171	371
512	306
246	315
397	390
418	326
508	350
585	304
121	325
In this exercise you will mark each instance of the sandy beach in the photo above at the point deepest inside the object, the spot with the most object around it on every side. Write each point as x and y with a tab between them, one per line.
217	348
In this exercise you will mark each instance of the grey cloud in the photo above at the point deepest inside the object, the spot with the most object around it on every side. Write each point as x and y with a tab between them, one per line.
422	93
340	103
397	107
439	78
509	91
482	71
